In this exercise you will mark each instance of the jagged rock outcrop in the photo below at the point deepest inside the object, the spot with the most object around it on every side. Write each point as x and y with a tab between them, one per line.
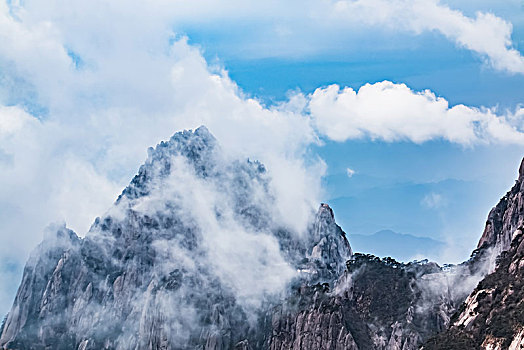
492	317
148	273
35	300
330	247
505	218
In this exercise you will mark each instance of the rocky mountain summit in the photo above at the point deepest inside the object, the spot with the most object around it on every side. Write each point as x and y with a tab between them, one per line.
194	254
187	257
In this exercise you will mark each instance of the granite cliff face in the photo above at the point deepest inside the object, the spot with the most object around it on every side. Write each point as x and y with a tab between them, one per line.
328	250
194	255
492	317
505	217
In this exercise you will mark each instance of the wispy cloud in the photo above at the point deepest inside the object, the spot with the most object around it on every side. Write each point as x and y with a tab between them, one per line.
485	34
433	200
350	172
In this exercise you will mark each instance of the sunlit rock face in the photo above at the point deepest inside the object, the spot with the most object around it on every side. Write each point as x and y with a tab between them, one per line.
492	317
506	217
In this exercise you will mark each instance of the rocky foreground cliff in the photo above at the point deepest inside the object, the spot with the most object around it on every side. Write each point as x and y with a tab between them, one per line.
506	217
492	317
195	255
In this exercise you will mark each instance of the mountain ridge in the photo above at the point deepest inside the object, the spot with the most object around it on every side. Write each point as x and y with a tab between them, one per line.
192	255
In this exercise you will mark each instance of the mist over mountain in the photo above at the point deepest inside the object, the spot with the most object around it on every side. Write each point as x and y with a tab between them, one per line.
188	254
492	317
196	254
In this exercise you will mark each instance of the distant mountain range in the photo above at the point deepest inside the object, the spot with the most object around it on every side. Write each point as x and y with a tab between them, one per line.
399	246
365	204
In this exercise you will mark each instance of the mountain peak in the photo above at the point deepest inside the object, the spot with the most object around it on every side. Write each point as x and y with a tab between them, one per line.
194	257
196	147
331	249
203	131
199	137
325	210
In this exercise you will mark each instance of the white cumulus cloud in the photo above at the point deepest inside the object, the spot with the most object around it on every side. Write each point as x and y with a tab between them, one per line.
393	112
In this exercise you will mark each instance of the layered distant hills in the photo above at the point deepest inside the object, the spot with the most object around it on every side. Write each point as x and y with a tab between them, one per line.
402	247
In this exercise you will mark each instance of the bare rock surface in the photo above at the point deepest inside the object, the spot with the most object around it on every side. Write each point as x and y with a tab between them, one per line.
506	217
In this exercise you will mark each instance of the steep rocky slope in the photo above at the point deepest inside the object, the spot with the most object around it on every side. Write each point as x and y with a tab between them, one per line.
505	217
492	317
376	304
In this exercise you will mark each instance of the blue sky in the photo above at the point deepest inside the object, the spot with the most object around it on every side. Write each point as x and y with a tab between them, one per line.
392	180
266	69
420	99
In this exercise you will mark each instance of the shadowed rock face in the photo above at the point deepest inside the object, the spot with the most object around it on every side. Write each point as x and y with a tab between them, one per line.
375	304
193	255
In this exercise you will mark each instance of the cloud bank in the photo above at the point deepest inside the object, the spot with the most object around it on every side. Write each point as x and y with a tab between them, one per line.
269	28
